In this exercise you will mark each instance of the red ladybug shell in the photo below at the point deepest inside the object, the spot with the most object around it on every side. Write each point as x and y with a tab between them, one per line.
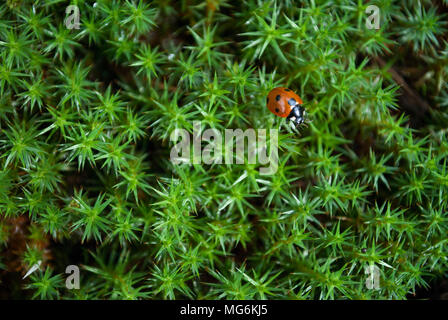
280	101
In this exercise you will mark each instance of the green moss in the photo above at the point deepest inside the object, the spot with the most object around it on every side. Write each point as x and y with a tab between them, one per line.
86	179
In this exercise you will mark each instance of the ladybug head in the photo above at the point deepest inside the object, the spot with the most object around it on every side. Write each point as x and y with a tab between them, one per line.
297	115
301	118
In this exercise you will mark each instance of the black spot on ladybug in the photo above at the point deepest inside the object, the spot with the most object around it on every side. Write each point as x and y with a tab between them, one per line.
277	97
277	110
292	102
287	90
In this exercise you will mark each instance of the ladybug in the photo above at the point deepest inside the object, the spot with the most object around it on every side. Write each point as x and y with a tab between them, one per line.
286	104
